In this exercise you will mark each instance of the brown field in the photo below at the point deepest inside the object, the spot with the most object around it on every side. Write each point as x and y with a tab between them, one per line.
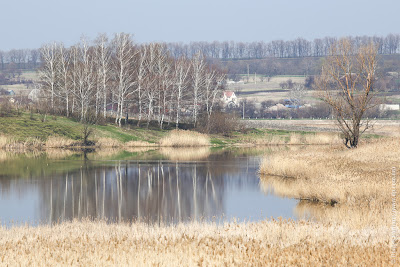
267	243
273	84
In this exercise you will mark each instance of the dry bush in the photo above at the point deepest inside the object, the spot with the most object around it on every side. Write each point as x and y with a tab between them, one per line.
220	123
58	142
267	243
181	138
185	154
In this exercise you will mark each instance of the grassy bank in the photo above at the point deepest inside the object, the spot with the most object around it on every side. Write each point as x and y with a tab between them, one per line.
195	244
37	131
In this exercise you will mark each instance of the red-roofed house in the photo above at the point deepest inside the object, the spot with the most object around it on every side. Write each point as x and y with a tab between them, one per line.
229	98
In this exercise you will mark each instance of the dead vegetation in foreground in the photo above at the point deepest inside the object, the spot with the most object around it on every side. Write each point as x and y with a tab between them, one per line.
276	243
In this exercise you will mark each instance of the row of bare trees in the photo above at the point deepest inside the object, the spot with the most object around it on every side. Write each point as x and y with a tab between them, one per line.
19	58
119	78
299	47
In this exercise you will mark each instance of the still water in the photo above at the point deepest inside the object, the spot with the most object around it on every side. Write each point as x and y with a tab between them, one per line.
151	186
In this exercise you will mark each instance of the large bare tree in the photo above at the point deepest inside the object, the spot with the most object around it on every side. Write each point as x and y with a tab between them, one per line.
346	84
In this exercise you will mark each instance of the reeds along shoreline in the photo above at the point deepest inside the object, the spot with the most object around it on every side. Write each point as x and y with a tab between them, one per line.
181	138
253	244
360	177
175	138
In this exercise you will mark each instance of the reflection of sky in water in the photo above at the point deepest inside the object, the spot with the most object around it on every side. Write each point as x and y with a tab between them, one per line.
155	191
19	207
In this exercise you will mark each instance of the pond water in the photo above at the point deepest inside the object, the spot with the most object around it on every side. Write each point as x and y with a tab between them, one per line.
167	186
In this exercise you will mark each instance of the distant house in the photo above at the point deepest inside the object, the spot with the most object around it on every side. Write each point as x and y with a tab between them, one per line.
229	98
34	95
383	107
6	92
292	103
11	92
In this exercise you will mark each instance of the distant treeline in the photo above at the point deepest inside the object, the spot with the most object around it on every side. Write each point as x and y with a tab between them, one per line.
271	66
299	47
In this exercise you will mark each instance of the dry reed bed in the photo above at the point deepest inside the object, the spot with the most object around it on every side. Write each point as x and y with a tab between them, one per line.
348	216
194	244
295	139
186	154
112	143
62	142
359	176
181	138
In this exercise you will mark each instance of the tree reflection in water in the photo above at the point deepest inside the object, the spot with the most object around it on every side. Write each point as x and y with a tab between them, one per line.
153	192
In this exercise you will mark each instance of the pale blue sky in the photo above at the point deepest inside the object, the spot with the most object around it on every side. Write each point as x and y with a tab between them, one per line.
29	24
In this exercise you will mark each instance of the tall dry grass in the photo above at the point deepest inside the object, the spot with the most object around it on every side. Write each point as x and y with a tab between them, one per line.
294	139
181	138
3	141
186	154
361	217
314	139
268	243
58	142
105	142
359	176
7	142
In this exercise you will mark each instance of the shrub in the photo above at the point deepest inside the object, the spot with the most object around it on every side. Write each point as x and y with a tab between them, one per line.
220	123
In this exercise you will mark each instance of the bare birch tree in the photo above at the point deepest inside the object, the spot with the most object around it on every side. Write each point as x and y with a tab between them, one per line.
48	71
182	68
63	58
142	70
103	60
125	76
198	67
84	76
